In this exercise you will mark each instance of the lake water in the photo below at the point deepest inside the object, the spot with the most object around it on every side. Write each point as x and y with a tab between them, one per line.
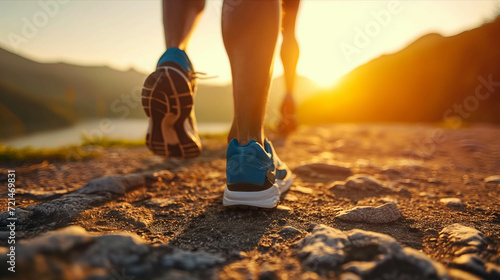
132	129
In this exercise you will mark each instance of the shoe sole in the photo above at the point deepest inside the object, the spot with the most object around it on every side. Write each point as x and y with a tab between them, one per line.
262	199
167	100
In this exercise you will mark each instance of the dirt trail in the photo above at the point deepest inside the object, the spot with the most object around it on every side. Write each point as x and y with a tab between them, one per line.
435	177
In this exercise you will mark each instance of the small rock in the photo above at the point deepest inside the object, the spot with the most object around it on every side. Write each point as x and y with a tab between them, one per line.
452	202
428	195
458	236
303	190
289	232
284	208
368	214
359	187
492	179
290	197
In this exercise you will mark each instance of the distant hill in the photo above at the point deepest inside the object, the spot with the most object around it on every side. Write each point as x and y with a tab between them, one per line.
87	90
433	79
20	113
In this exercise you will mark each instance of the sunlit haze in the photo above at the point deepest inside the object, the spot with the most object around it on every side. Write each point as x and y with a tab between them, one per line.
334	36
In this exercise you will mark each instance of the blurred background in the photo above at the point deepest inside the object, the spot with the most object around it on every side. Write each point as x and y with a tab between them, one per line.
73	69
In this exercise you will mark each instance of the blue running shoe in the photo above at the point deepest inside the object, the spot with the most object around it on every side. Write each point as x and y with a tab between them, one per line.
168	101
255	175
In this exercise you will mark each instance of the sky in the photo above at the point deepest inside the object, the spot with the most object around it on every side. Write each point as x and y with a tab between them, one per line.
334	36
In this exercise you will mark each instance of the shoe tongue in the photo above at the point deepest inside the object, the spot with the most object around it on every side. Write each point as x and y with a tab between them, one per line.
177	56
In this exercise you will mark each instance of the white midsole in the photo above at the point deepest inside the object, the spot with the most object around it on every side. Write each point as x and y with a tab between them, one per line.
264	199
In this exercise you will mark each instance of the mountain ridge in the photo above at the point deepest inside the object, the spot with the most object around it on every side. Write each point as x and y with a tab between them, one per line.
421	82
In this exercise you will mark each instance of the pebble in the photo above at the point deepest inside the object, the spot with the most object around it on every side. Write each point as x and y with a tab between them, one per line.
492	179
289	232
364	254
386	213
301	189
291	197
358	187
428	195
460	236
284	208
452	202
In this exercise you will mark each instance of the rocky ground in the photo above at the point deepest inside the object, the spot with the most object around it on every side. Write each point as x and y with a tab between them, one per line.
368	202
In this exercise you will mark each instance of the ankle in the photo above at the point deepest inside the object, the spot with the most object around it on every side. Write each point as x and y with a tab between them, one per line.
178	56
243	140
